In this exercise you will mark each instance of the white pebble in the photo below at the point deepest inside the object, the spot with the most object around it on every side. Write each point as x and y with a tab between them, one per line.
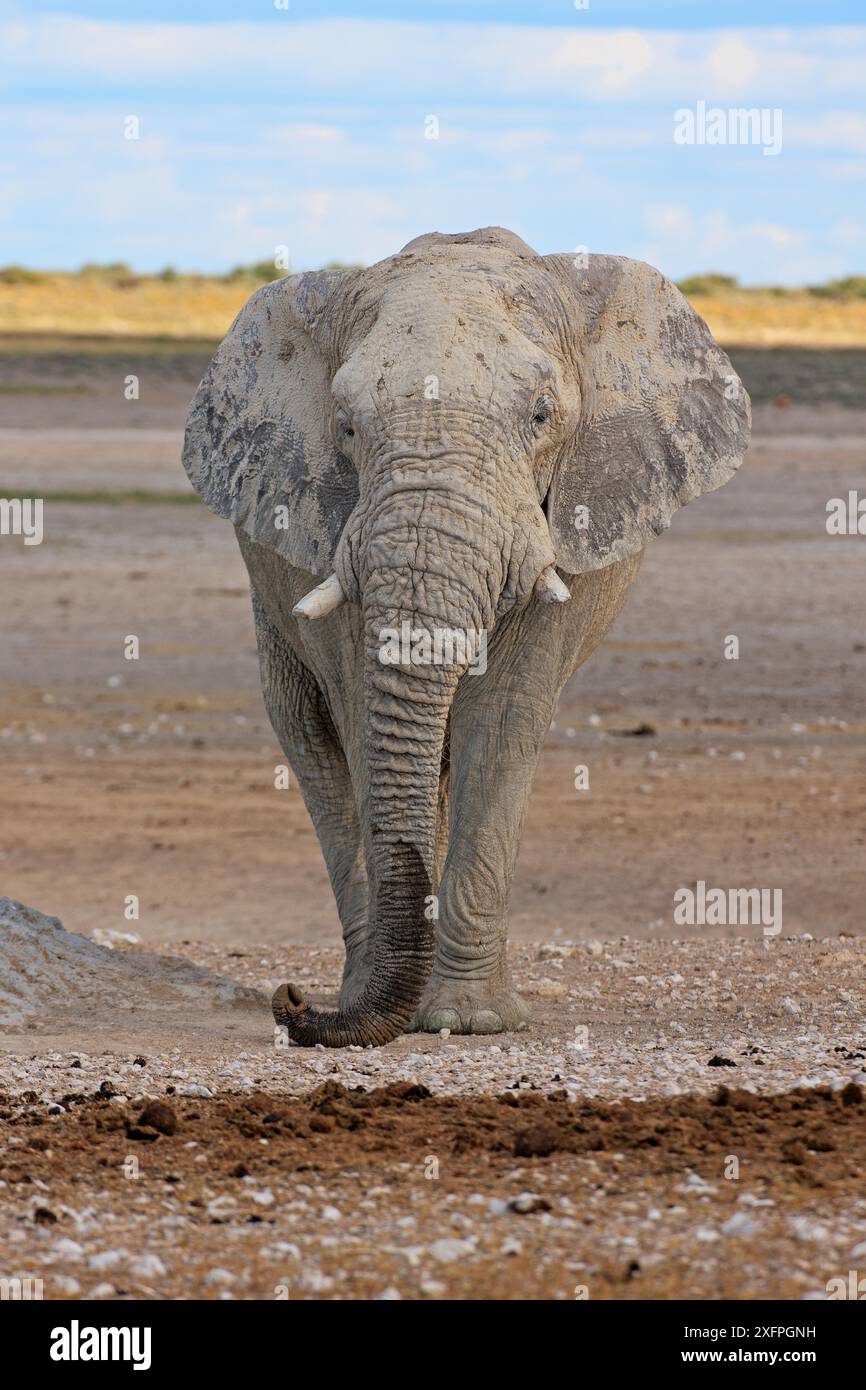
448	1250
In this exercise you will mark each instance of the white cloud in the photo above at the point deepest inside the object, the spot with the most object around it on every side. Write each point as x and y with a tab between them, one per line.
669	219
614	59
684	242
411	57
733	62
776	236
832	130
712	232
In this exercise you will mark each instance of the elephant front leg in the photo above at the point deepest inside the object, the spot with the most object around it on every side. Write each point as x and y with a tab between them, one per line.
494	754
470	989
302	723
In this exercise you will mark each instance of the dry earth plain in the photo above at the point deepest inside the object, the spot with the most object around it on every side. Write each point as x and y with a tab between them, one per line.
684	1118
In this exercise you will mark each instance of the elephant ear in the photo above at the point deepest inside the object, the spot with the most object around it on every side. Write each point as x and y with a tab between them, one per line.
664	415
257	446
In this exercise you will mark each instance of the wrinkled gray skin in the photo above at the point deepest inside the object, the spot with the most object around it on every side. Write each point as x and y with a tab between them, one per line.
428	430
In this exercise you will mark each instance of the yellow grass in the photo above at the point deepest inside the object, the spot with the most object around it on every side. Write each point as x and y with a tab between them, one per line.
194	307
791	320
94	306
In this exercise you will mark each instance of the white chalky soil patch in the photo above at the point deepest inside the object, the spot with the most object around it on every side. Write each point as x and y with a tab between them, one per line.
52	979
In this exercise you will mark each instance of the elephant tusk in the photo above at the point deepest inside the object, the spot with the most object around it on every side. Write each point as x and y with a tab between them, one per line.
550	588
322	600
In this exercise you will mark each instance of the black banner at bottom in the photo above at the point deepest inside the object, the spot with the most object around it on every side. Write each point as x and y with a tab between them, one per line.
146	1338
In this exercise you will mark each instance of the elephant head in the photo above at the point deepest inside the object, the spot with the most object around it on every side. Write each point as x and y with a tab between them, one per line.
433	437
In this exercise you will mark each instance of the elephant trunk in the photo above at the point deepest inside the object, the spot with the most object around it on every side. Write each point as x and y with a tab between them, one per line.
429	587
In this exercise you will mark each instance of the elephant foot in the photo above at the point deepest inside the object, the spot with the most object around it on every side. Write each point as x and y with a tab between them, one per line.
470	1006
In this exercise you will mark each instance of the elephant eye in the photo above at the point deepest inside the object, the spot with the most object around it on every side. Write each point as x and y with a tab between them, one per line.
542	411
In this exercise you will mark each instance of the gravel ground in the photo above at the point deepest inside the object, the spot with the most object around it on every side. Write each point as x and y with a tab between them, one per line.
684	1119
612	1020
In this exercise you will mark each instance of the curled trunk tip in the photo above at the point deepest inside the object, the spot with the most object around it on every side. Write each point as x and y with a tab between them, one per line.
288	999
401	965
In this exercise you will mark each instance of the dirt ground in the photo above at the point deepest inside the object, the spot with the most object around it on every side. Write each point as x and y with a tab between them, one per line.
396	1193
155	778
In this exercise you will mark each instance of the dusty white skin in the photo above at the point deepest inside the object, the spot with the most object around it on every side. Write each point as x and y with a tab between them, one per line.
440	438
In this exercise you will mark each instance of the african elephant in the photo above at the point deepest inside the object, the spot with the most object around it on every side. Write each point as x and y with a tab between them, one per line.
470	439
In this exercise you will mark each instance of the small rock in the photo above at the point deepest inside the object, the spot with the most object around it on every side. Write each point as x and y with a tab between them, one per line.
740	1224
550	989
67	1250
63	1284
805	1228
108	1259
527	1203
448	1250
147	1267
431	1288
551	950
696	1182
107	937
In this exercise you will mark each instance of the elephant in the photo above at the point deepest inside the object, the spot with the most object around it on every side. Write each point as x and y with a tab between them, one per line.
472	439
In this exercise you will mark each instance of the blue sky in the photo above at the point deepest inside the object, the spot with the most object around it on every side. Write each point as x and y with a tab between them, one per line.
262	128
